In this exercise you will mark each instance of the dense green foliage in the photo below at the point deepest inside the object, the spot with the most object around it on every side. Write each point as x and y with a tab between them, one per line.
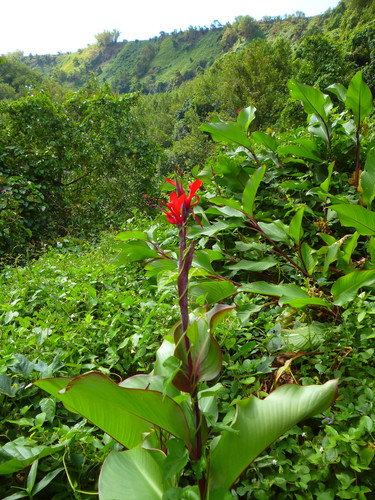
71	167
280	129
285	237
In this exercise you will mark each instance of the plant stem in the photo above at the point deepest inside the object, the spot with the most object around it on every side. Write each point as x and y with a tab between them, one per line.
184	264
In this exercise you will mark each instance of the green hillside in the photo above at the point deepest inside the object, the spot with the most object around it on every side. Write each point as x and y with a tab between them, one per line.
165	62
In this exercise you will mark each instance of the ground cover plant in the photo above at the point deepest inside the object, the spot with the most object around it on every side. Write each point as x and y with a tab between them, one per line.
284	242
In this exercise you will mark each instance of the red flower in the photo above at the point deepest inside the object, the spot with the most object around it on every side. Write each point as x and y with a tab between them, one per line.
179	204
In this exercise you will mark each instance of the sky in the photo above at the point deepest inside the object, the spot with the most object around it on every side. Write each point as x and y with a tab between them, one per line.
50	26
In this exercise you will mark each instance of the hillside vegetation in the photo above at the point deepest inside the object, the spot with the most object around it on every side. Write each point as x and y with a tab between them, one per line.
187	264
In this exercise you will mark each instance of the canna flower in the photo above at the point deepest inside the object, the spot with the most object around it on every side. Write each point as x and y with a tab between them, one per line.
180	204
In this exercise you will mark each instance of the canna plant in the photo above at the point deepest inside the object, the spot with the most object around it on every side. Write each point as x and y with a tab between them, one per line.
175	446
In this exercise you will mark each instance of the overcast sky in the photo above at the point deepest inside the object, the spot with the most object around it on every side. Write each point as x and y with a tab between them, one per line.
49	26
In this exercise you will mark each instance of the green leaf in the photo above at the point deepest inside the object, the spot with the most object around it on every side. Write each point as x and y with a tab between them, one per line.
245	117
265	140
132	251
202	259
330	257
18	454
277	231
176	460
326	183
319	128
218	200
125	414
289	294
303	338
264	288
214	291
7	386
302	302
360	218
259	422
32	476
313	100
129	235
255	266
308	257
339	91
133	474
298	150
346	287
204	352
367	180
359	98
295	226
227	133
46	480
250	191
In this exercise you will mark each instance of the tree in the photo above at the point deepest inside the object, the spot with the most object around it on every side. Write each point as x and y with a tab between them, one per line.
74	166
107	37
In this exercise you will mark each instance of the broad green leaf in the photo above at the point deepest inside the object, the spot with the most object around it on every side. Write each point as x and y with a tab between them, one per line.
266	140
217	314
187	493
319	128
203	359
211	229
150	382
298	150
48	478
360	218
302	302
367	180
227	133
203	350
202	259
133	474
264	288
245	117
309	258
295	226
330	257
125	414
214	291
346	287
176	459
7	386
132	251
326	183
359	98
159	266
339	91
129	235
218	200
313	100
259	422
164	352
251	188
32	475
227	211
256	266
348	248
18	454
277	231
303	338
289	294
